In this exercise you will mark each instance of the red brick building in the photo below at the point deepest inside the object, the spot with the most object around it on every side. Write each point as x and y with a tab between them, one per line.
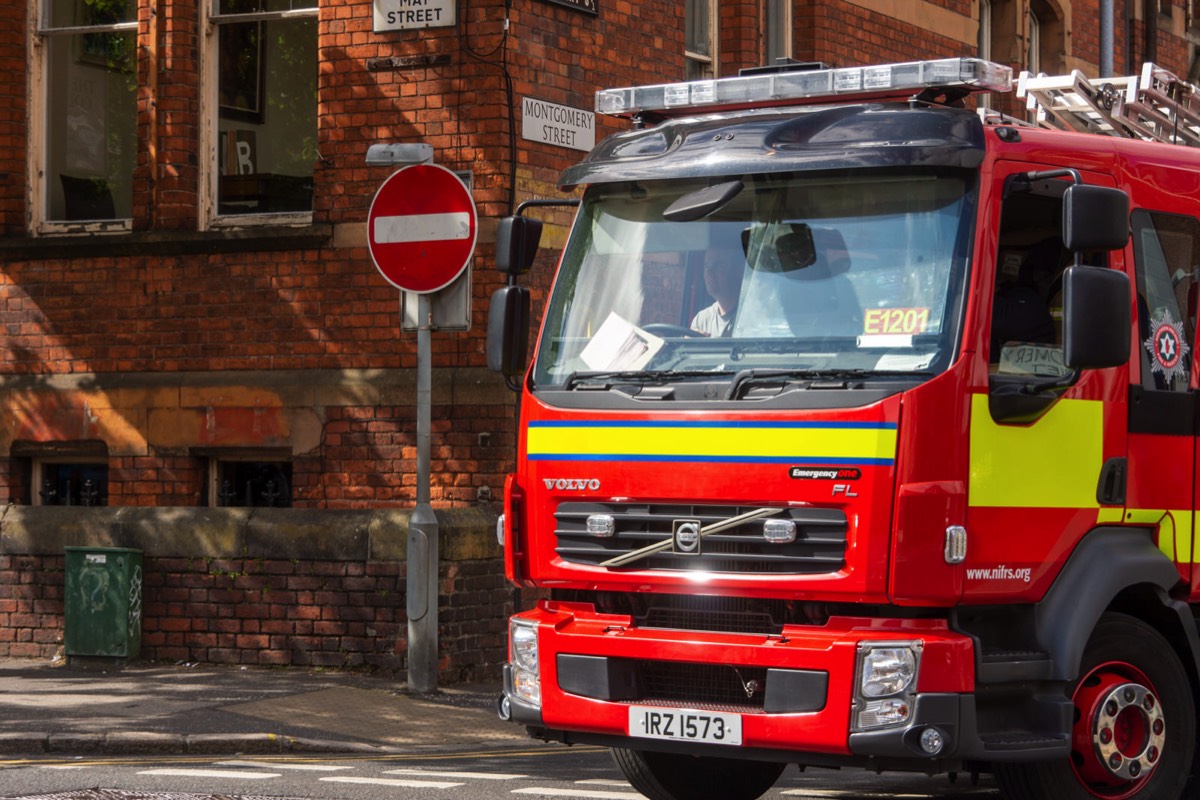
190	319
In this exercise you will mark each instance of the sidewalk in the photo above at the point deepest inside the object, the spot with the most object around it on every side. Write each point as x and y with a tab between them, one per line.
152	708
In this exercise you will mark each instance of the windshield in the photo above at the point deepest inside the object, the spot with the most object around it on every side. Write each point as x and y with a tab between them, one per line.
850	272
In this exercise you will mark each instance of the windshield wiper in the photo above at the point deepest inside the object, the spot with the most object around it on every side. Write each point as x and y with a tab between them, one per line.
609	377
748	376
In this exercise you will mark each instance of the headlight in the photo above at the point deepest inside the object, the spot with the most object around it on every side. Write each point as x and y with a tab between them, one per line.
523	653
887	683
887	671
522	639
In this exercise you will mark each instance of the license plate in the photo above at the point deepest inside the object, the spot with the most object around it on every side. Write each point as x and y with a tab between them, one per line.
650	722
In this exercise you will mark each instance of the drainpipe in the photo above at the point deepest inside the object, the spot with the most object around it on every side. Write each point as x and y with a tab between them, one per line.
1106	38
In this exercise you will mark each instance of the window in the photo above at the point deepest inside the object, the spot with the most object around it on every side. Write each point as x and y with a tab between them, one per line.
248	480
258	85
89	116
779	30
266	105
1033	44
69	481
700	39
1026	336
1166	249
1046	45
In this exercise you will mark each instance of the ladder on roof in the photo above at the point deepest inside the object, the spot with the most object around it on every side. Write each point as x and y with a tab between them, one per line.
1156	105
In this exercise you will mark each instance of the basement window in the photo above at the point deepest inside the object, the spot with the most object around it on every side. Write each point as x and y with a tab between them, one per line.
248	480
69	482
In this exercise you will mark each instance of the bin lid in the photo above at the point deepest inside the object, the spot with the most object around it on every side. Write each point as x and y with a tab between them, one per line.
106	550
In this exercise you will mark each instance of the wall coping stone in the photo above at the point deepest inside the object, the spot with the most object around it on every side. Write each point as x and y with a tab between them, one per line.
464	534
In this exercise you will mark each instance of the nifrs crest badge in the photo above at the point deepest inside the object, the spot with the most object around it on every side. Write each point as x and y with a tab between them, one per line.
1166	346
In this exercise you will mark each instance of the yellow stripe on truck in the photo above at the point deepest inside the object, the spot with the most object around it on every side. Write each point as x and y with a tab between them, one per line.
842	444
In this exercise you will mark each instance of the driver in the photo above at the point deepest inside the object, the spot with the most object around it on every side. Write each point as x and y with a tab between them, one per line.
723	282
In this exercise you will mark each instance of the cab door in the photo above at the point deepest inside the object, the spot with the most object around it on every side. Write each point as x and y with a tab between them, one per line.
1041	446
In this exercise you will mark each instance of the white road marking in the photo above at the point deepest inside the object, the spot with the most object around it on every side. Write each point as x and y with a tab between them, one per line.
433	773
601	782
211	773
584	793
271	765
393	782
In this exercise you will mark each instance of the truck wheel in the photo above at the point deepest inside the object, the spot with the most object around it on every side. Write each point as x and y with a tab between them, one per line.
669	776
1135	724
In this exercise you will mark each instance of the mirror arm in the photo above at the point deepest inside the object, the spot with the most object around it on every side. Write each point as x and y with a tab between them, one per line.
1042	175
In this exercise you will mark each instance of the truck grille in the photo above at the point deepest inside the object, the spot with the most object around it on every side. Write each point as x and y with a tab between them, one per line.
719	614
711	686
820	544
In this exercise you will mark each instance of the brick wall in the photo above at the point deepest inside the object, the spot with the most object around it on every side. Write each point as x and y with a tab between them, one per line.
285	587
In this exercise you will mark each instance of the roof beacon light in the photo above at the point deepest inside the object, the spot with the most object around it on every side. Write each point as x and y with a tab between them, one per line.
807	87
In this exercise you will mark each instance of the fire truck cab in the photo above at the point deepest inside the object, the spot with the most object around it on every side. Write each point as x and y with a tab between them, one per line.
861	431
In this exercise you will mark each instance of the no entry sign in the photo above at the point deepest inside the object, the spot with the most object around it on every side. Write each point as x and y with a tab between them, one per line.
421	228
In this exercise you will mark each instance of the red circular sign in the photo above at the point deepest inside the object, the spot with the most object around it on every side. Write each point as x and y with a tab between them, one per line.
421	228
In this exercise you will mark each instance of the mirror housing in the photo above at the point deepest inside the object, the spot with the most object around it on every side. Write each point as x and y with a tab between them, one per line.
1097	315
1095	218
508	331
517	240
702	202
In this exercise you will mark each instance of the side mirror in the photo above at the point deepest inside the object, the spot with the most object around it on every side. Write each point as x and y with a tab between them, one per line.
1095	218
508	331
1096	317
517	241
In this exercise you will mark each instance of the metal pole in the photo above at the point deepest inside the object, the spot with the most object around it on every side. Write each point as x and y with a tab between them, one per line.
422	600
1106	38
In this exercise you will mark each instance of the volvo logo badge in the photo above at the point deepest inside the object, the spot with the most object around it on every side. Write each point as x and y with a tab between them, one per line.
572	484
685	536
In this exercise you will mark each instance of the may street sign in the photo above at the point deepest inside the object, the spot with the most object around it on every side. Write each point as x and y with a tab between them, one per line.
551	123
421	228
402	15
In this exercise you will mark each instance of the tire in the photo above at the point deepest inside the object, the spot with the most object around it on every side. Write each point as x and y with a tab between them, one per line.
1133	705
669	776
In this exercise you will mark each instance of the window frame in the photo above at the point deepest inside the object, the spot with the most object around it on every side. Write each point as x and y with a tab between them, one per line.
216	459
37	472
777	38
209	144
1033	42
1147	224
705	63
41	32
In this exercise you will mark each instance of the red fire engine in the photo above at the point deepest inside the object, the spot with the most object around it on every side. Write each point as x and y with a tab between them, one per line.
861	431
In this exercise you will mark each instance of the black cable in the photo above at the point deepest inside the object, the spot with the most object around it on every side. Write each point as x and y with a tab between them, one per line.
502	65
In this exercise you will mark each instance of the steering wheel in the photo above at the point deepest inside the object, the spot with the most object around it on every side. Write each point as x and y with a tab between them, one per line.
669	331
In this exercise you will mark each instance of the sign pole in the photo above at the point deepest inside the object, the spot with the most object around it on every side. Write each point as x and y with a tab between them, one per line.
422	597
421	230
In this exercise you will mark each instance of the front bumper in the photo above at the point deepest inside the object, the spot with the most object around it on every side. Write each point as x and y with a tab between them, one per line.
592	665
